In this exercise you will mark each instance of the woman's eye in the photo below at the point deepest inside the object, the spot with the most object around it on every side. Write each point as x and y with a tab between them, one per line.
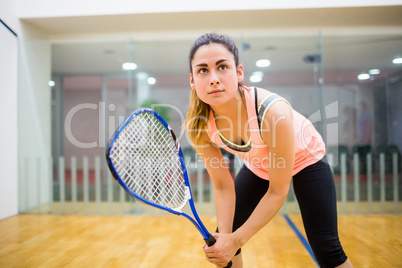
202	70
222	67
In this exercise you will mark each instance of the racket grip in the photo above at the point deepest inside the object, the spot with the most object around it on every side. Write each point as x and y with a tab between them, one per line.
210	241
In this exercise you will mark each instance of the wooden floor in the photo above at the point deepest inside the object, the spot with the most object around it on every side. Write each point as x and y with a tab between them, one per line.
171	241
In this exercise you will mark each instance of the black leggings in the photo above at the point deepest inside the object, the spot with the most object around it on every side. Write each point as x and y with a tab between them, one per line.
315	192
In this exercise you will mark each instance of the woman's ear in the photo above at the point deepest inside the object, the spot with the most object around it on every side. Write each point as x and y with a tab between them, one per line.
192	85
240	73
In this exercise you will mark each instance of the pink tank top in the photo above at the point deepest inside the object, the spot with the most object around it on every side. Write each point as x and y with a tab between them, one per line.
309	145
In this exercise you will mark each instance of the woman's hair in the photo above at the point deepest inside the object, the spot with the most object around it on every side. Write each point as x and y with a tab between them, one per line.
209	38
198	114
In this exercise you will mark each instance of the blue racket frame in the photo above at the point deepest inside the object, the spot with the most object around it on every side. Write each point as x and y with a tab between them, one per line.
197	222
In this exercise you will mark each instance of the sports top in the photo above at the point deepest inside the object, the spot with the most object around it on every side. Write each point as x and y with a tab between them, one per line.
309	145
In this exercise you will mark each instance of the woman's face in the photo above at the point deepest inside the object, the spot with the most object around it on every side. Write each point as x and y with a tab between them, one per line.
215	76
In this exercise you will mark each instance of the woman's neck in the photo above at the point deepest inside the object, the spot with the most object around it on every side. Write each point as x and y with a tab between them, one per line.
233	108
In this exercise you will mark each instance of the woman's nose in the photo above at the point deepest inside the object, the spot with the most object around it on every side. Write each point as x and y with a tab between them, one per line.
214	79
214	82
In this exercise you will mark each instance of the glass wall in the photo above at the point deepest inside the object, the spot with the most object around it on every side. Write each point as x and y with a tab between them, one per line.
98	84
363	76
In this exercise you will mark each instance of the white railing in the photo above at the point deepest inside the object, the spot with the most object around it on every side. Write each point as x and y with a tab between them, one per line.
91	189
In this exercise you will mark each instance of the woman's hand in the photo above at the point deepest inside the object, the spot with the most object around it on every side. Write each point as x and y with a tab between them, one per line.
222	251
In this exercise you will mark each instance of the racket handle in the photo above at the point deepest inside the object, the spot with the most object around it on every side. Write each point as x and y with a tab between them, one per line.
210	241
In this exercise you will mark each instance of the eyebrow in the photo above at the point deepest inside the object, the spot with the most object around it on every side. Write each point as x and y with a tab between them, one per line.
206	65
220	61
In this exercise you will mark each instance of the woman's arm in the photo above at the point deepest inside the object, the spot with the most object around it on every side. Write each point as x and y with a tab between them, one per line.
278	133
223	185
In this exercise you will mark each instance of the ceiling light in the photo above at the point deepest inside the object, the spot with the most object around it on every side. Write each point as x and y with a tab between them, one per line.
256	77
151	80
263	63
374	71
128	66
397	60
363	76
51	83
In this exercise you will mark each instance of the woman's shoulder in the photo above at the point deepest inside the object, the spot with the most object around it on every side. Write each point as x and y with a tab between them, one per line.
270	102
263	94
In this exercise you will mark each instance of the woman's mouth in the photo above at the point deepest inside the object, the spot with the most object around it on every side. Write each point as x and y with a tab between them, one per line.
216	91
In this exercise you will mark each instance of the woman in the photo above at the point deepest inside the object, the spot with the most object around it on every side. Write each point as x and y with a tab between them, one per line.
276	143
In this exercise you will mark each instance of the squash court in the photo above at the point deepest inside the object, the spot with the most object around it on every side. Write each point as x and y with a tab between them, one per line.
170	241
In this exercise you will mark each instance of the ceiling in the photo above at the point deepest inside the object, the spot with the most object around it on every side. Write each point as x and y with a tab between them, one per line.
352	40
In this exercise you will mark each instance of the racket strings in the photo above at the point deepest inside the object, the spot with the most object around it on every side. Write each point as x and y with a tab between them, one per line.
146	159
